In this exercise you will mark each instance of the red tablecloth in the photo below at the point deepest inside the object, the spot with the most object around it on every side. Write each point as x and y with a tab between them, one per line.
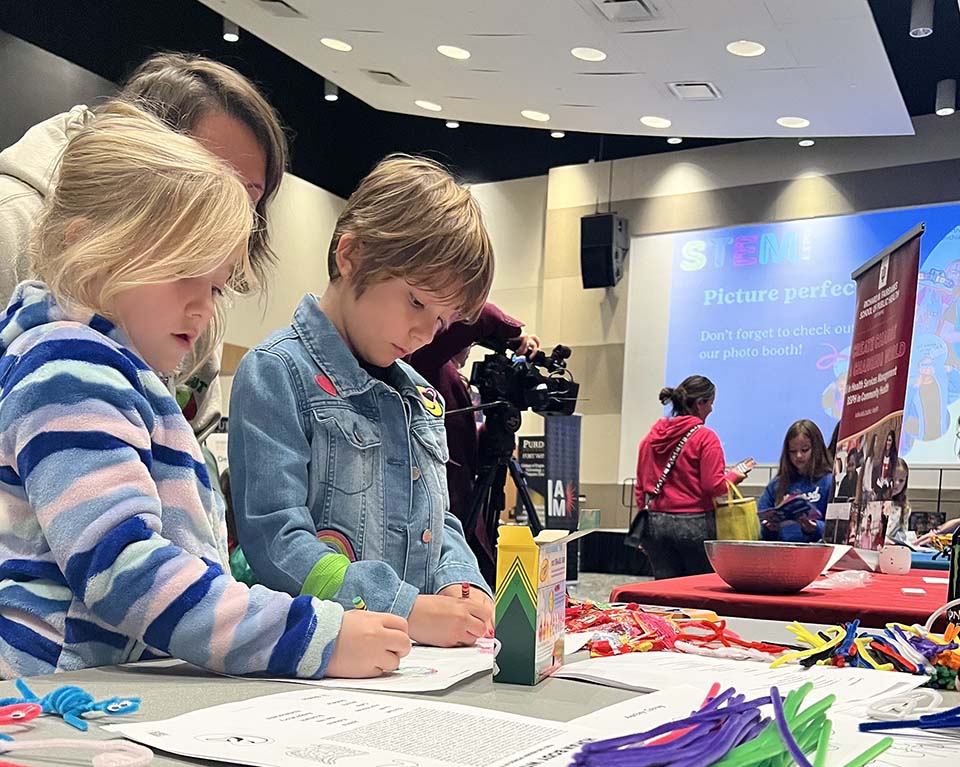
880	602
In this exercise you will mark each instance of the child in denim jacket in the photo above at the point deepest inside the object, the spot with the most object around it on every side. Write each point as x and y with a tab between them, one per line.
337	447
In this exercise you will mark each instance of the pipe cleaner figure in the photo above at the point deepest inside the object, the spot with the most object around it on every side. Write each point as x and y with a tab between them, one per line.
71	703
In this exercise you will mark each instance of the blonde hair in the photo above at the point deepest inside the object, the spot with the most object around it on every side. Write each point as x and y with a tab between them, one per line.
414	221
182	89
136	203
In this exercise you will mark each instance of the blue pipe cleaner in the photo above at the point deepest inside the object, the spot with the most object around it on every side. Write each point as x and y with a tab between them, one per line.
71	703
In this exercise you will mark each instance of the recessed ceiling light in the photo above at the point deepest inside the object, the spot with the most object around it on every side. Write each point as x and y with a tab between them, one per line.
336	45
946	103
231	32
921	18
746	48
428	105
453	124
533	114
806	142
557	134
330	91
453	52
651	121
588	54
674	140
793	122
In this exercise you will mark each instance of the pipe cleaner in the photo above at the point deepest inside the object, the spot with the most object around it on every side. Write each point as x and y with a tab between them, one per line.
71	703
629	628
729	731
109	753
18	713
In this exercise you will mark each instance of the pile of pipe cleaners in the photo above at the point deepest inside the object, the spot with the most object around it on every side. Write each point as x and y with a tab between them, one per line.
625	628
731	731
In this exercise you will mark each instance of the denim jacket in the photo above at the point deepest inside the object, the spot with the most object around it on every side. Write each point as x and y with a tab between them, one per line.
326	459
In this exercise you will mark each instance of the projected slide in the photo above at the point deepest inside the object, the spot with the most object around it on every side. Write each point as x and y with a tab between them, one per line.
766	312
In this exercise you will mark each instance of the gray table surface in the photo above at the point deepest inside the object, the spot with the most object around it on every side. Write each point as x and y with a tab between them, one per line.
169	688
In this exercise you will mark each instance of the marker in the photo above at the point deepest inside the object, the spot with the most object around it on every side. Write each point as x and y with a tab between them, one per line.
464	591
359	604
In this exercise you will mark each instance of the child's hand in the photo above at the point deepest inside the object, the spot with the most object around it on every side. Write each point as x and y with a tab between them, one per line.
477	595
807	525
441	621
369	644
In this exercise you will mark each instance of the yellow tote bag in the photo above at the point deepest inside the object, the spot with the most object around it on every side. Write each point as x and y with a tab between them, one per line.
737	518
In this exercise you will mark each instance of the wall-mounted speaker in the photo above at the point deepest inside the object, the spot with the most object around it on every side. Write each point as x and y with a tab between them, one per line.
604	245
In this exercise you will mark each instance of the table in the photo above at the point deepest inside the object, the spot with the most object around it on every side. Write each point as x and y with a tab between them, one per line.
876	604
168	688
923	560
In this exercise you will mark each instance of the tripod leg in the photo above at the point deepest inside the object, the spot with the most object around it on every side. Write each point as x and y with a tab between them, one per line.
520	480
479	501
479	514
497	502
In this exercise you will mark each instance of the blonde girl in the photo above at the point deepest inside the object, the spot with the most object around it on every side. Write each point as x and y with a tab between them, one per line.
112	543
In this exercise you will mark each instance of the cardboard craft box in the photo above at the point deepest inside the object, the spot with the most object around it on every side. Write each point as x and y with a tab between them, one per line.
531	602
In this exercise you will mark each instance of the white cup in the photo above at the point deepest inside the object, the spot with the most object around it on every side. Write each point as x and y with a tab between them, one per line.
895	560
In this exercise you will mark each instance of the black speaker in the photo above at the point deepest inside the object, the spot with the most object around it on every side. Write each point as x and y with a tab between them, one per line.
604	244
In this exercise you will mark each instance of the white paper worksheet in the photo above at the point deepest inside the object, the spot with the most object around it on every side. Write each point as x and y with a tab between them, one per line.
651	671
425	669
575	642
354	729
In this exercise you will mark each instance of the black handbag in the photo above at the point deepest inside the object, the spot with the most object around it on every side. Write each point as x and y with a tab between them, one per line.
638	527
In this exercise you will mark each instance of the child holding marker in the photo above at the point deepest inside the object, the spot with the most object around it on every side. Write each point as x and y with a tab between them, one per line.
112	543
337	447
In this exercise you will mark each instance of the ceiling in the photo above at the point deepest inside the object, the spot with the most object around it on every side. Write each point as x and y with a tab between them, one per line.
335	144
824	61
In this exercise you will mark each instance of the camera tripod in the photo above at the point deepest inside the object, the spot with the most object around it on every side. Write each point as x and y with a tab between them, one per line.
495	451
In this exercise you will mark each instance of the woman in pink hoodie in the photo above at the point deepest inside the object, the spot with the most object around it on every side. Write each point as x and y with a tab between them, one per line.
680	515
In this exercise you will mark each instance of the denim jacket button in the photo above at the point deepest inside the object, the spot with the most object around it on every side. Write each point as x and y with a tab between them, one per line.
427	536
415	473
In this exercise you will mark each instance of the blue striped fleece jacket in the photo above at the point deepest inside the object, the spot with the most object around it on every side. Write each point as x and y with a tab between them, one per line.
112	543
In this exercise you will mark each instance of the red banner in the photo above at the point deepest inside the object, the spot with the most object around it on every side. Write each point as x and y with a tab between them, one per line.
876	388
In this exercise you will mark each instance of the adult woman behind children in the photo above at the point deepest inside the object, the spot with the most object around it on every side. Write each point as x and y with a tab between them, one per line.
681	516
214	104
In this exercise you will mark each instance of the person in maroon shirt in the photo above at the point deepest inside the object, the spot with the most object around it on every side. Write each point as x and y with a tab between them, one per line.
440	362
681	516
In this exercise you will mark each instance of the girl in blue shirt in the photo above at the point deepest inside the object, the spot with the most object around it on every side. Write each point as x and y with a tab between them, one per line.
805	471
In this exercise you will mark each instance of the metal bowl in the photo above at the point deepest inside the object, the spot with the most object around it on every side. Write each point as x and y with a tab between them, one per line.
768	567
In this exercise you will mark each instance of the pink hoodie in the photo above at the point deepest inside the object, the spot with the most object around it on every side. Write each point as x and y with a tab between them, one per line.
697	477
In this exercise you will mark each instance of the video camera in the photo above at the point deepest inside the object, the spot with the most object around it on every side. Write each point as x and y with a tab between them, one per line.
502	377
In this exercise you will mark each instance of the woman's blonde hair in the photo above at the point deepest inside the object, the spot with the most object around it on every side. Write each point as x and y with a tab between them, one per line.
135	203
413	220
